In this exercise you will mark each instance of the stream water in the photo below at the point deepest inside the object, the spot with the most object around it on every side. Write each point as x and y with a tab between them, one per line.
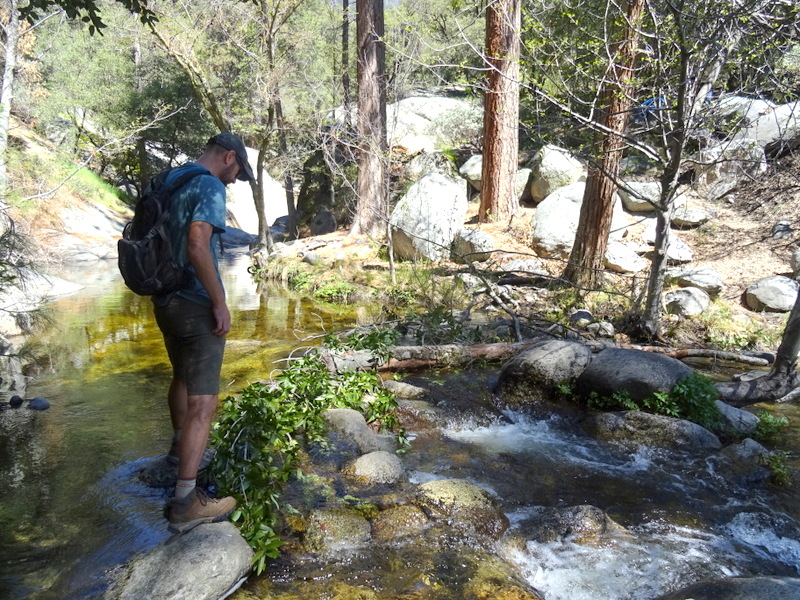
71	509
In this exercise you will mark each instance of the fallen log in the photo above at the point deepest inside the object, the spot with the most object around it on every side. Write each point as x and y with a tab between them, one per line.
681	353
410	358
760	389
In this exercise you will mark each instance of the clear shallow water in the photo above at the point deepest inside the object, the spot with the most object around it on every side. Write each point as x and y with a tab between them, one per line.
70	505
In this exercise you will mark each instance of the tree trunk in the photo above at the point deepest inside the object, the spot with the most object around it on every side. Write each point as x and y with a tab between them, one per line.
501	112
6	94
372	204
587	259
346	101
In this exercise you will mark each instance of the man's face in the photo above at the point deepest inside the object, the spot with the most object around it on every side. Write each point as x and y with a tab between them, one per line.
231	170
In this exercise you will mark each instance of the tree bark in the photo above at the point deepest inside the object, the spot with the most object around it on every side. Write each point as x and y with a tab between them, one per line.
346	99
587	259
501	112
372	207
6	94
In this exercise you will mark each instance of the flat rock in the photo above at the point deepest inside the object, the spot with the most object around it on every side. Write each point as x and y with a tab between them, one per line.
740	588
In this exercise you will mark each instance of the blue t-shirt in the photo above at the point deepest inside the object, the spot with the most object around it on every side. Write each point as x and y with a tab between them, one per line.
201	199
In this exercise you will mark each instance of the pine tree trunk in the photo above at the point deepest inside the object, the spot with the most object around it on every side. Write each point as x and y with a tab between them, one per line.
587	259
501	112
372	207
6	94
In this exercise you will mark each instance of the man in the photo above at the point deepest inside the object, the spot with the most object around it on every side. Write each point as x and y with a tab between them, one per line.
194	322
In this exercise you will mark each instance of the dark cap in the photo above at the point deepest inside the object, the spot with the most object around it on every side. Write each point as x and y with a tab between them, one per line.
230	141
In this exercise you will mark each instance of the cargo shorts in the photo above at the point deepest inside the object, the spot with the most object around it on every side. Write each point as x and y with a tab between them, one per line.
194	351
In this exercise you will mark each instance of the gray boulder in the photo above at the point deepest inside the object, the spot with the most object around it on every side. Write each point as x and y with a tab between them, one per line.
531	376
690	216
795	261
528	266
735	420
464	506
472	245
556	221
637	372
640	196
351	426
404	390
472	171
777	130
776	293
742	110
553	168
430	162
425	123
376	467
687	302
724	168
744	463
203	564
426	220
704	278
740	588
636	428
621	258
523	181
678	251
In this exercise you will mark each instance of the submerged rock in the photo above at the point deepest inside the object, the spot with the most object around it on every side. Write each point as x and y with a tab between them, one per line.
636	428
377	467
336	528
350	424
465	506
39	404
579	524
203	564
399	522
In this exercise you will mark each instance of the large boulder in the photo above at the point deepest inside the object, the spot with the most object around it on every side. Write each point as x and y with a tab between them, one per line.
640	196
430	162
725	167
398	522
740	588
553	168
376	467
464	506
776	293
240	206
203	564
639	373
678	251
472	245
621	258
636	428
323	198
426	220
704	278
349	425
530	377
426	123
556	221
472	171
777	130
687	302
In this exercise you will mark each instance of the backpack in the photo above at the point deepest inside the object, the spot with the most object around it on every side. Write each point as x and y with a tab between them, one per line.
145	250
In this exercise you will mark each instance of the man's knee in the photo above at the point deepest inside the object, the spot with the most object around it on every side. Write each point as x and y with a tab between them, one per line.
202	406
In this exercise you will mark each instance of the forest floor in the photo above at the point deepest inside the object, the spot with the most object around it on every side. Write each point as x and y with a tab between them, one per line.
737	243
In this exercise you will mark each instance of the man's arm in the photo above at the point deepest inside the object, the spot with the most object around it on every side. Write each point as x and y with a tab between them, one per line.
199	254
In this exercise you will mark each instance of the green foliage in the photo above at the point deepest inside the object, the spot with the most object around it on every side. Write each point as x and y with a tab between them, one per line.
378	340
776	462
691	398
769	426
258	433
334	290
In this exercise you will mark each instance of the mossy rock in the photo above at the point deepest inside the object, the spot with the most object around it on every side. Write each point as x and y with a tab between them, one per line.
464	505
398	522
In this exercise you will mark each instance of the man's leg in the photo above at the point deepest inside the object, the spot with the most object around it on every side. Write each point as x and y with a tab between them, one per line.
178	405
195	431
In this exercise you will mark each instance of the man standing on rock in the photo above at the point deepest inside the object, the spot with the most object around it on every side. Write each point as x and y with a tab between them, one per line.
194	322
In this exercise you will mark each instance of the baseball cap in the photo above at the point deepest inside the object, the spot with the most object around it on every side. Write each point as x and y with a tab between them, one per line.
230	141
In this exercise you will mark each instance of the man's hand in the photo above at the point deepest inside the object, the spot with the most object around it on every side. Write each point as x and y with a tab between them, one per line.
223	319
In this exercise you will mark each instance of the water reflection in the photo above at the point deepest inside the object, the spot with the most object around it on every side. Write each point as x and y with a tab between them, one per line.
70	507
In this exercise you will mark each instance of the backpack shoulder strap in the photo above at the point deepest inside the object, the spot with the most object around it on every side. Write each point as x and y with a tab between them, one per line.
178	183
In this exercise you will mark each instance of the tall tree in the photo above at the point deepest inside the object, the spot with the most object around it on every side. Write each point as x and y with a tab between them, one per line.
11	27
587	258
372	207
501	112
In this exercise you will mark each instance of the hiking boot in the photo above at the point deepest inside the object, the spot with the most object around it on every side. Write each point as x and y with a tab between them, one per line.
198	507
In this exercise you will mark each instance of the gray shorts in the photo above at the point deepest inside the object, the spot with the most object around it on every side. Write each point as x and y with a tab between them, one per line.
194	351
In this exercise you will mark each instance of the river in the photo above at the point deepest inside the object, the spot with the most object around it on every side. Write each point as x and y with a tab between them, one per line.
72	510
